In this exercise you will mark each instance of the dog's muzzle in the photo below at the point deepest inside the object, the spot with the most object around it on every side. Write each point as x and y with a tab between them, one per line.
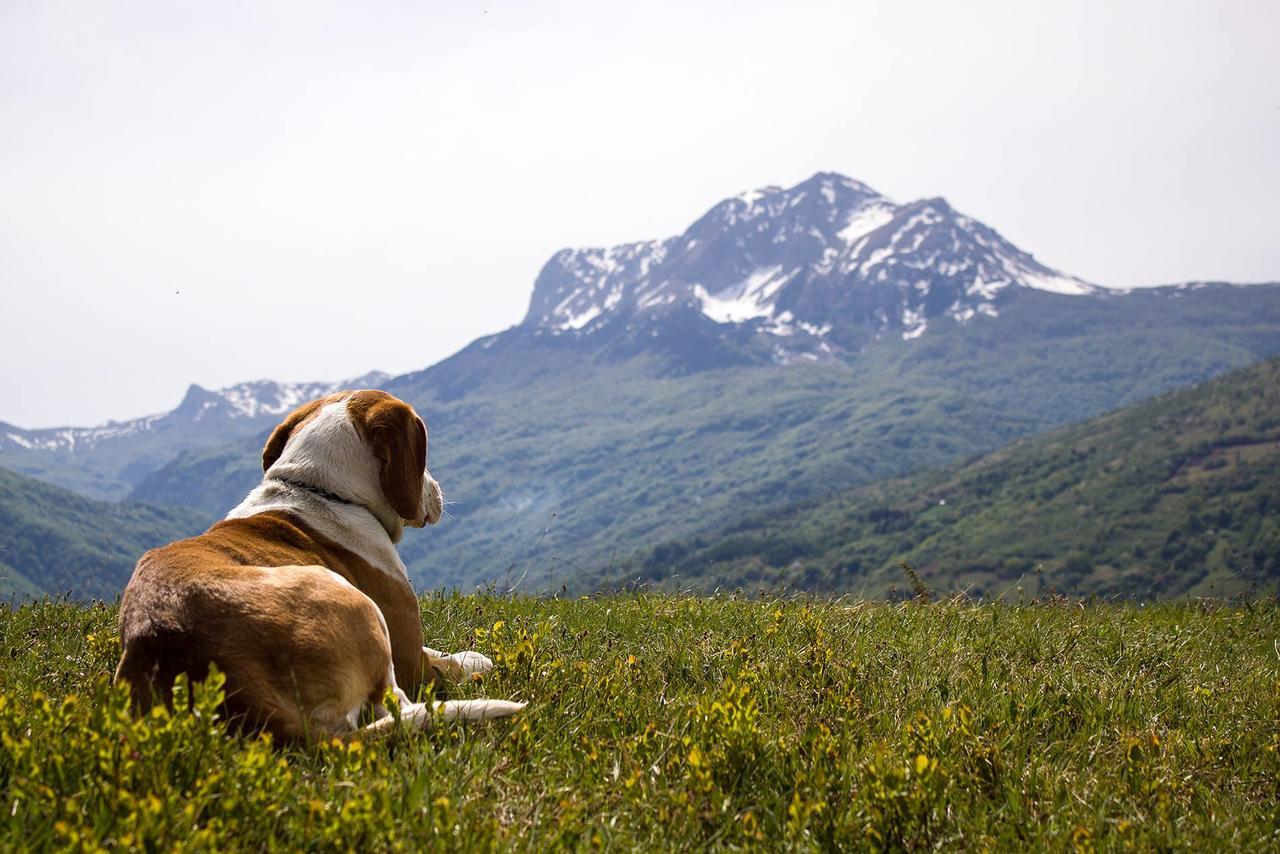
432	503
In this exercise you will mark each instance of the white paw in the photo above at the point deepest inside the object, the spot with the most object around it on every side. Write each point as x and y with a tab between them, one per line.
472	662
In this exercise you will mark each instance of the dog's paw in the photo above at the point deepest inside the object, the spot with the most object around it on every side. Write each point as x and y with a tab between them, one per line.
472	662
478	710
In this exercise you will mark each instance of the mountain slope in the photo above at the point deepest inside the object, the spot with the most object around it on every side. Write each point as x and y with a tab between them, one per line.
54	541
626	454
108	461
1179	494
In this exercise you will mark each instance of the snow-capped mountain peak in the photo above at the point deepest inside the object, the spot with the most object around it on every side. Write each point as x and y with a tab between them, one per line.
264	397
826	254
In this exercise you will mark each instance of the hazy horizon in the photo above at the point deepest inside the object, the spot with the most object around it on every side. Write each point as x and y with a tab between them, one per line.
210	195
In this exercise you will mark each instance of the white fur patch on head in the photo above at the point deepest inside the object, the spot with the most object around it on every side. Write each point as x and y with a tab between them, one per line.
328	452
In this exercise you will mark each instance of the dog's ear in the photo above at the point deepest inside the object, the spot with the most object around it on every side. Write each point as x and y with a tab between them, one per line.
398	439
280	436
405	468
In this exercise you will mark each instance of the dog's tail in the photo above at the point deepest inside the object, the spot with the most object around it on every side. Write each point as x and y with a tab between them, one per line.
143	668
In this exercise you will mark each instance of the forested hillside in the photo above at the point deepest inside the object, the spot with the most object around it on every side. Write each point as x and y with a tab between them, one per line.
1179	494
54	541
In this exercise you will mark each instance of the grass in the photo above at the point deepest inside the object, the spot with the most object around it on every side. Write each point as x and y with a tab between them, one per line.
664	721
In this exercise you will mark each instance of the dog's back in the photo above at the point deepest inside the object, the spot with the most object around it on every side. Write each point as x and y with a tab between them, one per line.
300	647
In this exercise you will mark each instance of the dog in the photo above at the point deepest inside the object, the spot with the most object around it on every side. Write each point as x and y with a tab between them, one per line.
299	596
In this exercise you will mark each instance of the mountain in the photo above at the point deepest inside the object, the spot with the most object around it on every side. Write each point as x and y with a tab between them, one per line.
631	408
56	542
107	461
1179	494
819	269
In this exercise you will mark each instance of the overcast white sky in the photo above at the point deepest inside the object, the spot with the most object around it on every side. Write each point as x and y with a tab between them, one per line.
215	192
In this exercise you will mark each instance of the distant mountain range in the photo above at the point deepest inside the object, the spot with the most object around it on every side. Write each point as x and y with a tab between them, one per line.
789	346
107	461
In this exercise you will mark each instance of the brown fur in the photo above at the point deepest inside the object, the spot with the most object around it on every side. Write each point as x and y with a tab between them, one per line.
252	595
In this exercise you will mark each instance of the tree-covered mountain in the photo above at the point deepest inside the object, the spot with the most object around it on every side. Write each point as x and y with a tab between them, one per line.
53	541
1178	494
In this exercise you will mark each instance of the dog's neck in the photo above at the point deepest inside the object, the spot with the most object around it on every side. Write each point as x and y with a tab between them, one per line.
351	525
323	493
305	481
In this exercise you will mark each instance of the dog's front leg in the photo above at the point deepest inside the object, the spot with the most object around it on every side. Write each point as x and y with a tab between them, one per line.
458	666
422	715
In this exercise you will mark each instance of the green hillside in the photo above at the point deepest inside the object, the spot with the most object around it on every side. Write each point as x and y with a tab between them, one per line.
54	541
1179	494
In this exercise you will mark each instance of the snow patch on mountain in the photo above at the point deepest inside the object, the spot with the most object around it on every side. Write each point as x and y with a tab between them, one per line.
1056	283
749	299
865	220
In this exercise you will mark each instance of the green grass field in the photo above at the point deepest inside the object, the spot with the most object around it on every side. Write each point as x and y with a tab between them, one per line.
661	721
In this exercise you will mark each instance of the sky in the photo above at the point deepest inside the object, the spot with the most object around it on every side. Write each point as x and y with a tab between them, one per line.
216	192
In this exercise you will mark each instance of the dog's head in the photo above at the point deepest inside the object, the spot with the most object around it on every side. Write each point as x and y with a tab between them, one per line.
367	447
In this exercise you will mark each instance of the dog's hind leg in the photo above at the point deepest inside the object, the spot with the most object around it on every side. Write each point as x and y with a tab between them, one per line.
423	715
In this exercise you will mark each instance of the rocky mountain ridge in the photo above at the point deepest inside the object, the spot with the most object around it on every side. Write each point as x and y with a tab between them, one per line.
247	402
819	267
107	462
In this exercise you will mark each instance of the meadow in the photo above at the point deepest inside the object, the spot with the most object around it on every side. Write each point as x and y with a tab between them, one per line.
664	721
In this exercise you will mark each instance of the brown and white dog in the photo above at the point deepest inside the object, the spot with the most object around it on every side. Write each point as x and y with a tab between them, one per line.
299	596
